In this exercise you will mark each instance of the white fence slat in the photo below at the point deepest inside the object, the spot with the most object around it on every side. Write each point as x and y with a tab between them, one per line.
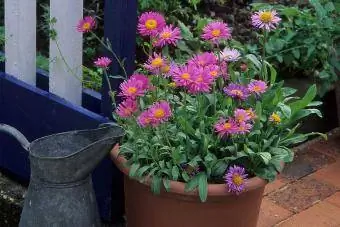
20	35
65	78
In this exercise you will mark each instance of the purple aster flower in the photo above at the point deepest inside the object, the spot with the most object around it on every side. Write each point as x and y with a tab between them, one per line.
216	31
267	19
257	86
237	91
168	36
235	179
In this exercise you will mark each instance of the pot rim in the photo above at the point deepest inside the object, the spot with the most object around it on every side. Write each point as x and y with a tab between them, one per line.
179	187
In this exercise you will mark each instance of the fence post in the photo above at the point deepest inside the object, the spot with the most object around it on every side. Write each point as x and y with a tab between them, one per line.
120	28
66	52
20	44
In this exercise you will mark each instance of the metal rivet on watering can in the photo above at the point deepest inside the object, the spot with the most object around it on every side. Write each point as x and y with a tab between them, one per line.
60	192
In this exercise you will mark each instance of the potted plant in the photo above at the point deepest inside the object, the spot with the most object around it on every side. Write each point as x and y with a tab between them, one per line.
204	133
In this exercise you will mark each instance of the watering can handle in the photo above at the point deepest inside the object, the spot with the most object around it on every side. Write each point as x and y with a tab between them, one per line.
16	134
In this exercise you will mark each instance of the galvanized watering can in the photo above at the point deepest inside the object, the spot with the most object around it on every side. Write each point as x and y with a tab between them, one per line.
60	193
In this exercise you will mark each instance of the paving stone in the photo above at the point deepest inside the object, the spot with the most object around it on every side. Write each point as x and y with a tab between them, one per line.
271	214
321	215
275	185
334	199
330	174
306	162
302	194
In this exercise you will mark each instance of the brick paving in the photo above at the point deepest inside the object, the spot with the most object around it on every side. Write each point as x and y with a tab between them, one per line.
307	193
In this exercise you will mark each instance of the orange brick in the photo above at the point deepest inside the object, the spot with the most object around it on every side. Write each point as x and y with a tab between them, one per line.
334	199
320	215
271	214
329	174
273	186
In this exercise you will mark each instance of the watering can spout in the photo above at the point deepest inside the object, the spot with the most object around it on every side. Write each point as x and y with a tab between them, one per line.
16	134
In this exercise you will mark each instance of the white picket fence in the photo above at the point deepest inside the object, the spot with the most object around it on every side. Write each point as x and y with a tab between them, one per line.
20	45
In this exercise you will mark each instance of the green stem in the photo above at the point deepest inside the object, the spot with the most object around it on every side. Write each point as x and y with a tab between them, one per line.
264	77
286	50
121	64
65	62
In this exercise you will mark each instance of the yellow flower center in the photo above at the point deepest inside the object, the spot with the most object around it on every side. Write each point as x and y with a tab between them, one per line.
240	118
165	69
237	180
237	92
185	76
151	24
132	90
166	35
159	113
201	62
200	78
213	73
216	32
227	126
86	26
275	118
266	17
250	113
157	62
257	88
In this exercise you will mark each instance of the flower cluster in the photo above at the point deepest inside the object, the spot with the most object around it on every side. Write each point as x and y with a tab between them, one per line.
239	124
213	113
153	25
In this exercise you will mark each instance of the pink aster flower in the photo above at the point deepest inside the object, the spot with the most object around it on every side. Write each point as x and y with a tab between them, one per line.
143	80
225	127
243	128
214	71
168	36
131	88
144	119
103	62
159	112
230	55
257	86
86	24
150	23
216	31
265	19
236	91
241	115
235	179
201	81
183	75
127	108
155	63
204	59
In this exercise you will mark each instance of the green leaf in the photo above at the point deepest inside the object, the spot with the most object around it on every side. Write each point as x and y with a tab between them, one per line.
156	184
304	113
186	33
287	91
308	98
166	183
285	110
296	53
254	60
315	103
133	169
266	157
192	184
203	186
175	173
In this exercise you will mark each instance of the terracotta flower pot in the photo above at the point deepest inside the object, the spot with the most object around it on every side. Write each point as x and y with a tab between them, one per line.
178	208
